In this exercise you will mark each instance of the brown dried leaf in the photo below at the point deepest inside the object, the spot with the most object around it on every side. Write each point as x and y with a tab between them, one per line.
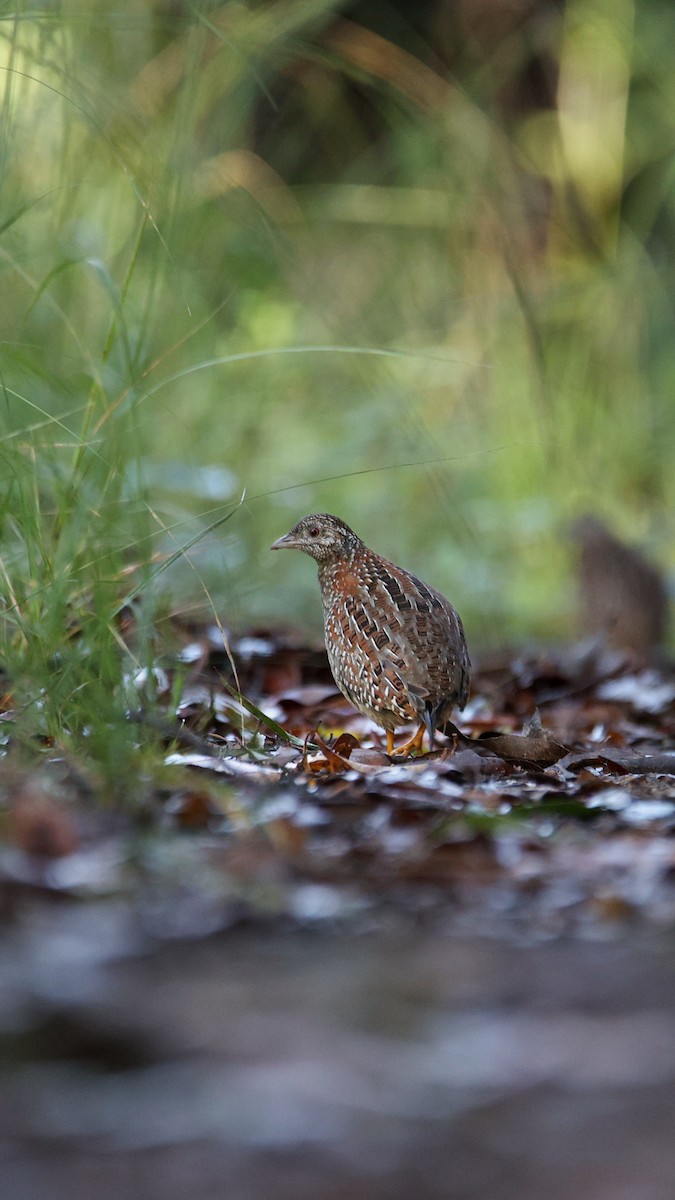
535	745
622	761
289	838
39	825
333	762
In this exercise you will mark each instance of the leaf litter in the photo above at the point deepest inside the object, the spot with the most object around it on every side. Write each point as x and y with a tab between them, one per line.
551	803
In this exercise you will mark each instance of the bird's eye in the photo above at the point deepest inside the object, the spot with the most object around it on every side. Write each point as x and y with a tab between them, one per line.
314	532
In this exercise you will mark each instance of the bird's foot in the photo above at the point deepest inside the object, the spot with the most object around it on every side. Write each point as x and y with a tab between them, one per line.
414	744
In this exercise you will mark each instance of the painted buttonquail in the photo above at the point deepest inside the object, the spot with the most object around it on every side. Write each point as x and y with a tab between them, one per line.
623	598
396	646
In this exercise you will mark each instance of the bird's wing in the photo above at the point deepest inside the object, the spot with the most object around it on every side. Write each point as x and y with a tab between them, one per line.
424	631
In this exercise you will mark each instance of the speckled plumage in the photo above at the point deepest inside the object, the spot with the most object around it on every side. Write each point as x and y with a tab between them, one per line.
396	646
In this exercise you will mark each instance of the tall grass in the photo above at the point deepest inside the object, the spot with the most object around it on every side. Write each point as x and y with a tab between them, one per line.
420	276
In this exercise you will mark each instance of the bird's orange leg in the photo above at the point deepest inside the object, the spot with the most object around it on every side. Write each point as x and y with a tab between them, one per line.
415	743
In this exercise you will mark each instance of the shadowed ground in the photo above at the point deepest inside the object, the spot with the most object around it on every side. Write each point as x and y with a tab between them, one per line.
294	1064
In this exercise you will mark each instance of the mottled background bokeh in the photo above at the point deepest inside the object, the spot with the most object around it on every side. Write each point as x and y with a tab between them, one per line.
412	263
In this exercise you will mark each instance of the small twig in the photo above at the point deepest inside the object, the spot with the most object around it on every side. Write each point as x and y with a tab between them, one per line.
288	738
173	731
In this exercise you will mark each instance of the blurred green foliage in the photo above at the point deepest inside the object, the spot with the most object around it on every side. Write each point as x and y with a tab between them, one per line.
412	264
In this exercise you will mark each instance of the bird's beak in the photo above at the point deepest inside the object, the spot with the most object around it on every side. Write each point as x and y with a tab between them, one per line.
287	542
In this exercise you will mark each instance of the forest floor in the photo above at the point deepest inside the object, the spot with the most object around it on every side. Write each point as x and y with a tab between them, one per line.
301	969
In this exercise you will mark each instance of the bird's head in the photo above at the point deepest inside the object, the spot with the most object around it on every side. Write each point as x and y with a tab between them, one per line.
322	536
